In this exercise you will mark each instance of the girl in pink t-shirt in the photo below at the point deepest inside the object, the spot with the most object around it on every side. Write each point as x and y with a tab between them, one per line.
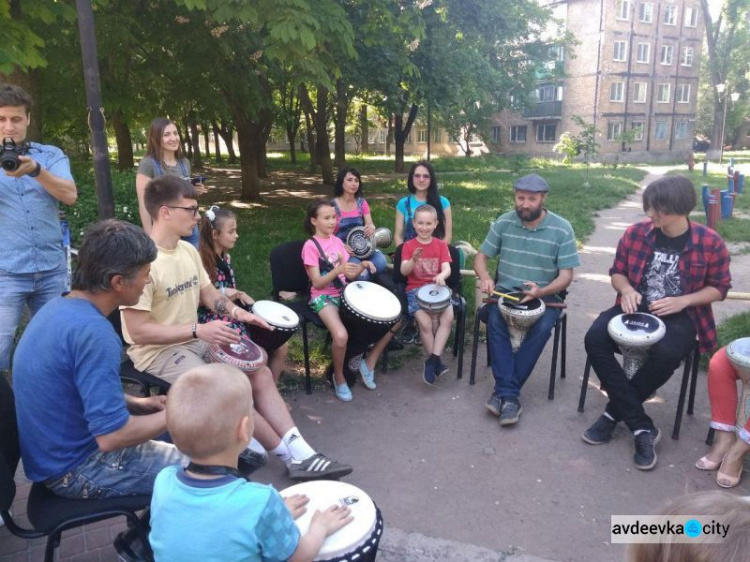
326	261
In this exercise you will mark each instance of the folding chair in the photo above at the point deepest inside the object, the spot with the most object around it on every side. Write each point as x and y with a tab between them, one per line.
49	514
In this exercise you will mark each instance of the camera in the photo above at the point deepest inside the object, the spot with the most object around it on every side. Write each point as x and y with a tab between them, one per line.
9	154
195	180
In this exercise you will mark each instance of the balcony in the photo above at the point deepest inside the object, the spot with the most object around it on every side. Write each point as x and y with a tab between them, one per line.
544	110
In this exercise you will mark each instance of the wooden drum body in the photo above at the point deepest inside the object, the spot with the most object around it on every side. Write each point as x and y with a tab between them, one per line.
738	353
520	317
245	355
283	319
634	334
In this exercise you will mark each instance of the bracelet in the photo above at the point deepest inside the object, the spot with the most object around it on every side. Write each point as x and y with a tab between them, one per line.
36	172
231	313
194	328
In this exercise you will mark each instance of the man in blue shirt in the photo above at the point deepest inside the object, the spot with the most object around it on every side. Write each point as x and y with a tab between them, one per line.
79	435
32	259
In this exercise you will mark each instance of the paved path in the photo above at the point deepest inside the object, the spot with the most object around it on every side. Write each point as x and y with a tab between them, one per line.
453	486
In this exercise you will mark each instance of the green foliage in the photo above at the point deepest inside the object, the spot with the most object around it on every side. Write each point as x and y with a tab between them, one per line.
734	327
568	145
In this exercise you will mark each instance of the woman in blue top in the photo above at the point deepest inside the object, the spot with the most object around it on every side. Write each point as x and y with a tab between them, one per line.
163	157
352	210
423	187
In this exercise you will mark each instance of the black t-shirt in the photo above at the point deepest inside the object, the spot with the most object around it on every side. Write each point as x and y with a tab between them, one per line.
662	275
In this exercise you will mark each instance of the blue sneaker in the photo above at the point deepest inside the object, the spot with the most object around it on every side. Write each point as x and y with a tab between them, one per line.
343	392
429	374
368	376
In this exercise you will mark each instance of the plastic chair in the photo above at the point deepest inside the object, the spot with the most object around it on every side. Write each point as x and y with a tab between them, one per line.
455	283
559	336
690	371
49	514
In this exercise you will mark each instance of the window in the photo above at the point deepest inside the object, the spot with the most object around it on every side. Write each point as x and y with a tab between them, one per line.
643	52
667	54
646	12
496	134
437	135
614	130
681	130
661	130
623	9
546	93
518	133
687	56
383	136
639	92
662	94
616	91
422	135
670	14
682	93
620	53
408	139
637	127
691	20
545	132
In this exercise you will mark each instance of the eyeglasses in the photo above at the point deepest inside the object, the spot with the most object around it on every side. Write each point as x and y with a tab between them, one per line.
193	210
422	176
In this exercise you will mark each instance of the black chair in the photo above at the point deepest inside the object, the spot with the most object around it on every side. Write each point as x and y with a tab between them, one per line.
690	371
49	514
455	283
288	274
560	336
149	384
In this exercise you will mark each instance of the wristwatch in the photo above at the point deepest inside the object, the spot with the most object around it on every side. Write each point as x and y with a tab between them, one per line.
36	172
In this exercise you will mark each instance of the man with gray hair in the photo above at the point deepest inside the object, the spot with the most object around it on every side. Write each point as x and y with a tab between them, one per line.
78	433
537	253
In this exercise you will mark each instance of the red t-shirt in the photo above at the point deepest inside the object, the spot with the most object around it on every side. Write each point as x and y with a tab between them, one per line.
429	264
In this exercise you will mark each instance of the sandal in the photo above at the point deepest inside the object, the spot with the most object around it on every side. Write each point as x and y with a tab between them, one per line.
726	480
704	463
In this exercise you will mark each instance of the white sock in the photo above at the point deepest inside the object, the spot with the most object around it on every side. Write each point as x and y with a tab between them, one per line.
298	447
281	452
256	447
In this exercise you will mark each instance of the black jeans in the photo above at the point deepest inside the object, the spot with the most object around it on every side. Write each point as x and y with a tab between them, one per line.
626	397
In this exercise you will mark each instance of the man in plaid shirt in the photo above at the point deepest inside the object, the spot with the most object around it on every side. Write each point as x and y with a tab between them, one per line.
674	269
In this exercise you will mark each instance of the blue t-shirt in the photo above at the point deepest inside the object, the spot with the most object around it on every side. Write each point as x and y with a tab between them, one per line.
29	217
226	519
414	203
66	378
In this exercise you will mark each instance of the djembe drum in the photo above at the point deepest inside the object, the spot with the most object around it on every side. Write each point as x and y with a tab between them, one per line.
358	541
433	297
245	355
283	319
634	334
738	353
520	317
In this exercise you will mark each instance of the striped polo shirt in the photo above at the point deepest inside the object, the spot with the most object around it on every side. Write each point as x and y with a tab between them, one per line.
530	254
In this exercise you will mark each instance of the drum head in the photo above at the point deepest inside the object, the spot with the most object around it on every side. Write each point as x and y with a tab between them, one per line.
245	355
362	246
325	493
276	314
372	301
517	305
433	294
640	322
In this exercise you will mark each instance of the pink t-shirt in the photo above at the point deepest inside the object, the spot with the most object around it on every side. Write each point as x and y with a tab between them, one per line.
430	261
334	251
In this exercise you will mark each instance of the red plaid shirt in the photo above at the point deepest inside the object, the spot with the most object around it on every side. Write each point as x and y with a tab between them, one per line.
704	262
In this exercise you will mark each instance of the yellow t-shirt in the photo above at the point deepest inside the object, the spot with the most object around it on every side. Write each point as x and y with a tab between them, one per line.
172	297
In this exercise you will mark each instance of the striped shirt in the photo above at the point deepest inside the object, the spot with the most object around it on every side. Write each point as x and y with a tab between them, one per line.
526	254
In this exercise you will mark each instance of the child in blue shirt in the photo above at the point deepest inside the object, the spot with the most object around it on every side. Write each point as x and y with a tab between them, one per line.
208	511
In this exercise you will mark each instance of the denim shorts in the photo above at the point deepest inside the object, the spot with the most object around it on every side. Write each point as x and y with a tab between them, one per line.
124	472
411	301
320	301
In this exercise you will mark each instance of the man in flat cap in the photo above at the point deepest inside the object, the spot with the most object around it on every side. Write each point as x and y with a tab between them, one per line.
537	253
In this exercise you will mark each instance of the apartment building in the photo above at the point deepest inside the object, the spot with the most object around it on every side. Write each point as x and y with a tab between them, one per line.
636	67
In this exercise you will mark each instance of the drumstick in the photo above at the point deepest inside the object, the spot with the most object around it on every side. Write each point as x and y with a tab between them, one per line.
506	295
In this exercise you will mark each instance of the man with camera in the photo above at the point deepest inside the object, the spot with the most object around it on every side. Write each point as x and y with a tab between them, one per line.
35	179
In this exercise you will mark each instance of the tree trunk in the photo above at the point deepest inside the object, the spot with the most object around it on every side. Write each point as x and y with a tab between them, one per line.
402	131
195	140
248	159
217	146
309	111
364	127
339	137
204	129
389	136
291	137
124	141
226	133
188	144
322	144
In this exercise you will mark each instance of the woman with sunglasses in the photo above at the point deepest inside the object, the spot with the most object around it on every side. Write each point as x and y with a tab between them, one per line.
164	157
423	188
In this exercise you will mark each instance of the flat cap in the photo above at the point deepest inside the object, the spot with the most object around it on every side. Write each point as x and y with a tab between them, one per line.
532	183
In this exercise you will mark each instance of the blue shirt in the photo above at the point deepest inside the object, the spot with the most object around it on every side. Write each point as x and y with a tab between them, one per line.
66	378
226	519
29	217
